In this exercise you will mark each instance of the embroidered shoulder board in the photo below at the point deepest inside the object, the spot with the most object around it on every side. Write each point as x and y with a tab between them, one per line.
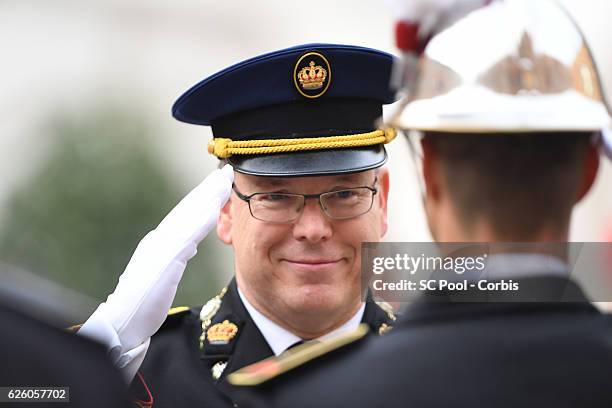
272	367
175	316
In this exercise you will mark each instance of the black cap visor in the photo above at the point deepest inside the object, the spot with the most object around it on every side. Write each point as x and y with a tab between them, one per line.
311	163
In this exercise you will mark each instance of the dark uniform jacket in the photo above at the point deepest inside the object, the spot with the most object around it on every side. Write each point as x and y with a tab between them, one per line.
443	354
37	354
180	367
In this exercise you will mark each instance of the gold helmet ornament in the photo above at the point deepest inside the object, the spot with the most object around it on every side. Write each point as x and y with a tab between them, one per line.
500	66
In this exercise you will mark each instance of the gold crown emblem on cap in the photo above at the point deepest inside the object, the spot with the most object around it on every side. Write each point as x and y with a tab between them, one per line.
221	333
312	77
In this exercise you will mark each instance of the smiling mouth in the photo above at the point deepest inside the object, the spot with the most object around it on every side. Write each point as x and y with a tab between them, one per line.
313	264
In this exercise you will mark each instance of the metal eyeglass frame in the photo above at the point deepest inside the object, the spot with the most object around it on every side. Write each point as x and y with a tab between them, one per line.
247	199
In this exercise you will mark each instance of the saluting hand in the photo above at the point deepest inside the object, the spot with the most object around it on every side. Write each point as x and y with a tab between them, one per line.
139	305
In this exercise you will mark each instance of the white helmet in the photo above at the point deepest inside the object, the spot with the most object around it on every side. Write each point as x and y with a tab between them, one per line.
503	66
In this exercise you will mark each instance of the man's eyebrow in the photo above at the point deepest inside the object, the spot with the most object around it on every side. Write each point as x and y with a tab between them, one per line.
348	178
355	178
279	182
269	182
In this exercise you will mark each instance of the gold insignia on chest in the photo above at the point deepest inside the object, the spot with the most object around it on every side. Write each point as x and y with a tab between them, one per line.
208	312
387	308
210	309
312	75
384	328
217	369
221	333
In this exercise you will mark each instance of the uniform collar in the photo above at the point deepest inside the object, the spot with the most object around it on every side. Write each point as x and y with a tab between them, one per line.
280	339
537	294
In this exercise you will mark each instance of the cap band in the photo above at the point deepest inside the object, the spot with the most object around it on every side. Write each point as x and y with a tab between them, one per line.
224	148
325	117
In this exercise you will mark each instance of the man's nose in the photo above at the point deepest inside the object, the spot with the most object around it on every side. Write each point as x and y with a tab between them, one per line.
312	225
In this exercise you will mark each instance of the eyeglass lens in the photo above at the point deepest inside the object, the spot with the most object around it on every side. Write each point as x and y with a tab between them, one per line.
281	207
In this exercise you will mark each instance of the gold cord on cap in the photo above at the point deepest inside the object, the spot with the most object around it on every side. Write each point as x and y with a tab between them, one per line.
224	148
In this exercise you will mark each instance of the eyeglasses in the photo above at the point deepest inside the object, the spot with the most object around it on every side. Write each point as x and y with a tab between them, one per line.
284	208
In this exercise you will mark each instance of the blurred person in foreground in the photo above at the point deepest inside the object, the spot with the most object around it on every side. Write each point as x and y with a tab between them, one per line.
509	107
302	189
37	354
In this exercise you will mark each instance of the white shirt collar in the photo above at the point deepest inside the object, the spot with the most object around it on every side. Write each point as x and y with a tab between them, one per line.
280	339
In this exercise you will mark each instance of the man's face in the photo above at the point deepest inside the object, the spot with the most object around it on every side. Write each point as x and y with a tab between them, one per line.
309	268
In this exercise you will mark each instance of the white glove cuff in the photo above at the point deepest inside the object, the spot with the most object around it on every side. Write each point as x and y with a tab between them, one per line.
130	362
99	329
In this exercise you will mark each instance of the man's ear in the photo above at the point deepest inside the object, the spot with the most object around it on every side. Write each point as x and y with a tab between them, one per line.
433	183
590	168
383	196
431	171
225	222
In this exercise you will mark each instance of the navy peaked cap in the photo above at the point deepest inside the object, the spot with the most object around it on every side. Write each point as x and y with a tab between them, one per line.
308	91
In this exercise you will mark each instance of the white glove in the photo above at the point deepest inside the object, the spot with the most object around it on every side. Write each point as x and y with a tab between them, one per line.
146	289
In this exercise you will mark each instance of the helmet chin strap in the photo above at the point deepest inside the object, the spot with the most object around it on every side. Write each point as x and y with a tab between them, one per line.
605	139
416	155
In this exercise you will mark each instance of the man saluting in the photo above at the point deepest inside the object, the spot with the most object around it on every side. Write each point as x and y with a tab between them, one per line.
302	188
